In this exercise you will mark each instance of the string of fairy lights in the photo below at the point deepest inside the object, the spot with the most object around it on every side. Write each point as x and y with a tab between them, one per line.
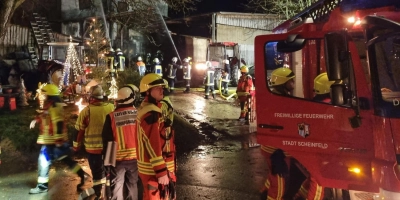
72	61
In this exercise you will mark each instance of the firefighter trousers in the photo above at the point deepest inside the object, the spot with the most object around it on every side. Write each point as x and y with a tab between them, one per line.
171	83
187	84
98	172
125	173
50	153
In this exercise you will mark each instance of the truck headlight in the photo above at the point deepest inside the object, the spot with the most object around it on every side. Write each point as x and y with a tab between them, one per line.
200	66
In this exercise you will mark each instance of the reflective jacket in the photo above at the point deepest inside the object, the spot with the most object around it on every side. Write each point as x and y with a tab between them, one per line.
187	70
90	126
225	77
151	142
245	85
140	63
209	77
120	62
52	126
121	126
171	70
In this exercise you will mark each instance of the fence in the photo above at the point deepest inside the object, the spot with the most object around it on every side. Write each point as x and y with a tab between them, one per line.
15	37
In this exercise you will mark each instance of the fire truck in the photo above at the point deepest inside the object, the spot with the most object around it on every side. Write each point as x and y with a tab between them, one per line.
352	144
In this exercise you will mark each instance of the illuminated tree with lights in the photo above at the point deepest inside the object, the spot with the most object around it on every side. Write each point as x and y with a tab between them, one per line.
113	89
72	63
97	41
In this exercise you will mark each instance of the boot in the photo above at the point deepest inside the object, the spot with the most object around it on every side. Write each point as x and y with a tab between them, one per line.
97	190
213	95
40	188
206	97
84	176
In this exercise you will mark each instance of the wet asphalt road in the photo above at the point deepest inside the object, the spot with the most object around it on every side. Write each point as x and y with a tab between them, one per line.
214	160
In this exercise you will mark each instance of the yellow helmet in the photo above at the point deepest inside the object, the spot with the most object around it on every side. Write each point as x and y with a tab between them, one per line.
322	85
126	94
150	80
96	91
244	69
50	90
281	75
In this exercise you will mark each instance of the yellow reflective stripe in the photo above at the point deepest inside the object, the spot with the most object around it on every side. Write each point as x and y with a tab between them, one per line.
126	154
170	166
318	192
147	144
281	187
270	150
303	192
43	179
121	138
157	161
99	182
270	198
75	144
267	184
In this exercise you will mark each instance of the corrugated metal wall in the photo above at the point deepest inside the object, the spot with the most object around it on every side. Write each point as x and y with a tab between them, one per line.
15	38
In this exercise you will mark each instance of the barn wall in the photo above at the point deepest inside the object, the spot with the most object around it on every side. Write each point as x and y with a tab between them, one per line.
15	38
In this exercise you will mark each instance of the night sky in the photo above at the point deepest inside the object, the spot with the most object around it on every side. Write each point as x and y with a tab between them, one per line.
207	6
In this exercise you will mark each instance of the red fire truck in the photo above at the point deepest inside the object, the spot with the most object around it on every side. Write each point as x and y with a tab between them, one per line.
351	145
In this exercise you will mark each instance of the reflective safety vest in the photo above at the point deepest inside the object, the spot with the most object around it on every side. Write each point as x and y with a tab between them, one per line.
124	126
187	69
91	119
210	77
171	70
158	70
140	63
121	63
53	129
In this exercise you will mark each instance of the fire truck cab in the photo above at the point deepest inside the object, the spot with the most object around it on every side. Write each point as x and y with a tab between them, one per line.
353	142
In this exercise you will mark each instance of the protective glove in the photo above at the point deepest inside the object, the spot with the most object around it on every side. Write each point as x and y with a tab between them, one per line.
167	123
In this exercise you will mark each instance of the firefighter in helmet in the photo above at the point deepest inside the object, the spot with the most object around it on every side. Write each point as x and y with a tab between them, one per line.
152	142
141	66
53	138
209	78
89	127
157	67
187	70
120	60
322	87
244	90
121	126
282	81
171	73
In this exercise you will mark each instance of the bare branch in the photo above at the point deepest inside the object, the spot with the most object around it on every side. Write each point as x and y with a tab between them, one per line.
286	8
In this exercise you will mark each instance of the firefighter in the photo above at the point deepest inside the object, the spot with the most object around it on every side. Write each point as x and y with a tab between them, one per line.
282	81
171	73
244	90
53	138
120	60
322	87
157	67
187	70
156	170
209	77
121	126
141	66
111	60
89	127
227	67
160	56
149	64
225	78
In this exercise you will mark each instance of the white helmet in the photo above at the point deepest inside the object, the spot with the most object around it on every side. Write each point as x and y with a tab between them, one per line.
186	60
139	58
111	50
174	59
226	61
96	92
126	94
156	60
